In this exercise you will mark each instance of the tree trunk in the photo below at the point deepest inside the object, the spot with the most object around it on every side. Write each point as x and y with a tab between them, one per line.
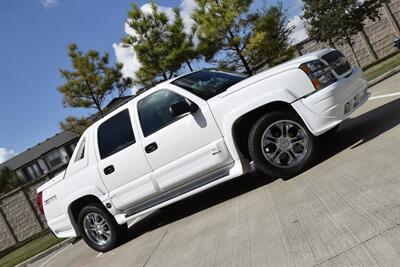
98	107
96	103
189	65
352	49
241	57
245	64
331	43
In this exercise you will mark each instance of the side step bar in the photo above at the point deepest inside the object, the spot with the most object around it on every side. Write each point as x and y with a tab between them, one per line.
224	171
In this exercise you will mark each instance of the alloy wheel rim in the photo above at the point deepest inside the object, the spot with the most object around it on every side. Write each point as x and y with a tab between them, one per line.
97	229
284	143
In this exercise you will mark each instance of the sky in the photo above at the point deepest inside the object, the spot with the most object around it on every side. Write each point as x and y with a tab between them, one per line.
34	35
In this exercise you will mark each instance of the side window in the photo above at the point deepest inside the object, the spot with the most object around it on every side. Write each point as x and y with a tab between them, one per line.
115	134
154	110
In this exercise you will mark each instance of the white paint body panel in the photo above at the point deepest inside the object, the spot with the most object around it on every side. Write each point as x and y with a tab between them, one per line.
187	148
132	181
197	145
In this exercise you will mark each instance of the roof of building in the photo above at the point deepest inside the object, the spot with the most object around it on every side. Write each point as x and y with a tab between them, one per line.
117	101
42	148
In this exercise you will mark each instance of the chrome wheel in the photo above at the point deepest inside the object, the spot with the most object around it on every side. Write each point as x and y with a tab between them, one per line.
97	229
284	143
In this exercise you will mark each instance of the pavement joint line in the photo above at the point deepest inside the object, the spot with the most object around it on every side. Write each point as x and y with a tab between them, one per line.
154	250
384	96
357	245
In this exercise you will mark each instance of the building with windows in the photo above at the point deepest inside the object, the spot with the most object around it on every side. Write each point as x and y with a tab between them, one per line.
48	157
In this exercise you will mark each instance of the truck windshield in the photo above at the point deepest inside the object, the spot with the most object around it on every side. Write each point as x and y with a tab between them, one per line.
207	84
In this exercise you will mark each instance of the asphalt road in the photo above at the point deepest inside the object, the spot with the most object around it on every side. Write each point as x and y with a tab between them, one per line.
344	211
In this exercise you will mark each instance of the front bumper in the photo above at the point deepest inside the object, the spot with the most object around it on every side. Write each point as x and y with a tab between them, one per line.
328	107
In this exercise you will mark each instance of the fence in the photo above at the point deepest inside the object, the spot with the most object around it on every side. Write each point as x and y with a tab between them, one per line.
20	218
370	45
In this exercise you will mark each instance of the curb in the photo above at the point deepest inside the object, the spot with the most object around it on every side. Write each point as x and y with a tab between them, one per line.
48	251
384	76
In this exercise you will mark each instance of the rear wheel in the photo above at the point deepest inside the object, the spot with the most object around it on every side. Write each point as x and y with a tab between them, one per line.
99	228
281	146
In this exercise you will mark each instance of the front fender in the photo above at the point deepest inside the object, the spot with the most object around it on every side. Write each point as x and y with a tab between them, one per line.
239	107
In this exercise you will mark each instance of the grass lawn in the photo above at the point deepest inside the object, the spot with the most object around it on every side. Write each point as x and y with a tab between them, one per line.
382	67
29	250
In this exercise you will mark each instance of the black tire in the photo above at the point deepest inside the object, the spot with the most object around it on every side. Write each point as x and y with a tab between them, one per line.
257	154
117	232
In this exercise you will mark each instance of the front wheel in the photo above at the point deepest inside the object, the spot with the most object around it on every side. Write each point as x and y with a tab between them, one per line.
99	228
281	146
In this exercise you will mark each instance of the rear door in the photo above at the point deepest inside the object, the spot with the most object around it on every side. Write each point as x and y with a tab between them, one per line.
179	149
121	162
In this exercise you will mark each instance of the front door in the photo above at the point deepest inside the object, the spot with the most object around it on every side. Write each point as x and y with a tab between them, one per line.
179	149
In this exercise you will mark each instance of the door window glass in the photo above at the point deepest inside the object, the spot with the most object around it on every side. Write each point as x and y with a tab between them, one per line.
154	110
115	134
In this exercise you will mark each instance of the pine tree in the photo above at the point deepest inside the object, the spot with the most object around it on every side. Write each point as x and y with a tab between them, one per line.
161	45
76	124
90	84
237	39
91	81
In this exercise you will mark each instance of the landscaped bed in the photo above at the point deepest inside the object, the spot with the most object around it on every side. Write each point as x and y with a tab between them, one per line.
382	67
29	250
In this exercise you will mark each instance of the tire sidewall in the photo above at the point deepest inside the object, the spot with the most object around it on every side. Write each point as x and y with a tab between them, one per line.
114	227
257	154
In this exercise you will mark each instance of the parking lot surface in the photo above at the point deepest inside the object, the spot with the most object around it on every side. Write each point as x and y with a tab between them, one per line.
344	211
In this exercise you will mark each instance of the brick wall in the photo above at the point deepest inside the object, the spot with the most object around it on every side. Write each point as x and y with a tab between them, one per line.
375	43
20	218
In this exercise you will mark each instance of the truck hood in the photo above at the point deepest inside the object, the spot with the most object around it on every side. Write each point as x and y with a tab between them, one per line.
50	183
291	64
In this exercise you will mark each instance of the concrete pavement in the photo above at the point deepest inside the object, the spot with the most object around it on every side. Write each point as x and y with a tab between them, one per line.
343	211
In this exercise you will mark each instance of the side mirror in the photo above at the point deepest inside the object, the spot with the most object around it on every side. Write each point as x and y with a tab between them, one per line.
179	108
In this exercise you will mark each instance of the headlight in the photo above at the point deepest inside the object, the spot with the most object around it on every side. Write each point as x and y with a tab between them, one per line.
320	74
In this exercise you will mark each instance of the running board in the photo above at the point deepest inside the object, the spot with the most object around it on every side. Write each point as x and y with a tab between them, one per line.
179	191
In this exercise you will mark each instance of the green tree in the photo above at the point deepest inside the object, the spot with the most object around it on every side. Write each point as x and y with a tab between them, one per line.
182	48
76	124
89	84
236	38
332	21
8	180
269	43
161	46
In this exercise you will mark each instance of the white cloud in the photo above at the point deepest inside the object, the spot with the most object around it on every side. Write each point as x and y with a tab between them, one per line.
49	3
169	11
127	56
299	33
187	8
5	154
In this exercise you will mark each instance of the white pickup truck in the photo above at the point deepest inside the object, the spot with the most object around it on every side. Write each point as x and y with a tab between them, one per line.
194	132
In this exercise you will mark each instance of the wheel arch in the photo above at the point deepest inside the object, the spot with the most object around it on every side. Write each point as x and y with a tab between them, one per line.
242	126
76	206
